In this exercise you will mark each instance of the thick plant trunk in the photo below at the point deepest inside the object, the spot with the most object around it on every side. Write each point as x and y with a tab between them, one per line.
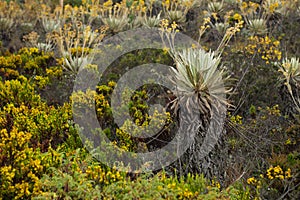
205	155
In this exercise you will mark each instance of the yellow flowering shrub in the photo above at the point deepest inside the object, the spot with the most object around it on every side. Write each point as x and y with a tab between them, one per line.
23	109
26	62
140	121
9	66
267	48
21	166
48	125
29	128
77	176
54	71
102	102
275	179
18	92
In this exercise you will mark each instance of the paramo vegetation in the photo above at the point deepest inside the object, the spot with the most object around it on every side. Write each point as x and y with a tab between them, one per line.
253	45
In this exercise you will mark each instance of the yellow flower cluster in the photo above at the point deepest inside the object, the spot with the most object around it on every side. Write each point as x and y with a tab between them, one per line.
255	182
277	172
54	72
167	27
101	98
264	46
251	181
177	187
274	110
248	8
273	7
236	119
205	25
166	4
186	193
81	98
177	5
102	176
138	7
108	4
237	17
11	61
216	184
80	50
125	141
29	52
279	6
41	81
9	66
24	62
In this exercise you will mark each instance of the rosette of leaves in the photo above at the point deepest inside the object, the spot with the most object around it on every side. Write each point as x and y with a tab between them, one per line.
176	16
258	26
215	7
150	22
116	24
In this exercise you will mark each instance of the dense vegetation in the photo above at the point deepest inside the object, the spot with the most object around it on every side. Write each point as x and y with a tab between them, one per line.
253	45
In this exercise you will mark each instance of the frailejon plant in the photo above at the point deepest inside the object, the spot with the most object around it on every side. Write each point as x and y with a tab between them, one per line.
10	15
51	21
198	80
176	11
76	45
195	74
257	26
115	17
290	70
32	40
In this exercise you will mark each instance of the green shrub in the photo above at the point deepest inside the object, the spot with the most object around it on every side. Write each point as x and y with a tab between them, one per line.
162	187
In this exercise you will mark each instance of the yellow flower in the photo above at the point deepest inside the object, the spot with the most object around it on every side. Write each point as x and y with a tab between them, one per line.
281	177
277	170
288	173
174	25
244	6
251	181
206	20
237	16
276	43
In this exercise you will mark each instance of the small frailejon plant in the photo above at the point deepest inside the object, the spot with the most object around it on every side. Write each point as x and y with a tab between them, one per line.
77	44
290	70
